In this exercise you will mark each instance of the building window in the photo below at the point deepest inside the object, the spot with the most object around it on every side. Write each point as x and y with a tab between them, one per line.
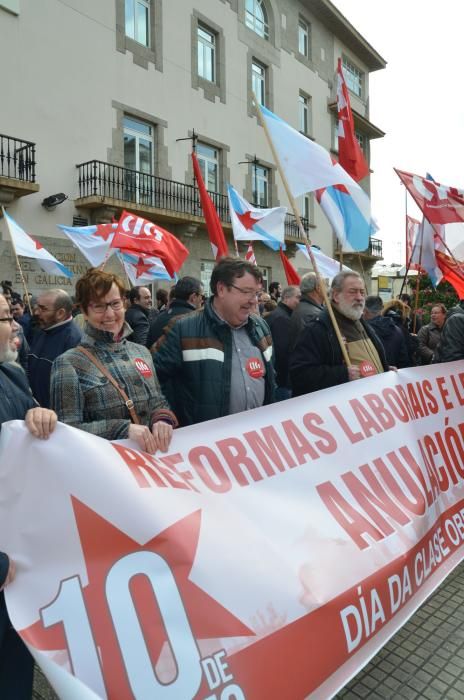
206	270
361	139
258	82
138	21
265	273
304	113
303	38
256	17
353	77
208	160
138	159
261	186
206	43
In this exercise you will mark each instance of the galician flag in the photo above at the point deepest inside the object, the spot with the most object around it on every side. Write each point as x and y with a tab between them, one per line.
28	247
253	224
307	165
423	252
327	266
348	210
94	242
250	255
142	269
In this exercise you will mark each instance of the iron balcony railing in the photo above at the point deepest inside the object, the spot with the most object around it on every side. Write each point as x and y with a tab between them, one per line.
17	158
100	179
374	248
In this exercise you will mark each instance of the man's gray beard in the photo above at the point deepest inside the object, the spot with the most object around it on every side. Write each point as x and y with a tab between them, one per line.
354	314
8	355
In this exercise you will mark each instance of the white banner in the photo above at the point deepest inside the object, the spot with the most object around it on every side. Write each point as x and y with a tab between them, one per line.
268	555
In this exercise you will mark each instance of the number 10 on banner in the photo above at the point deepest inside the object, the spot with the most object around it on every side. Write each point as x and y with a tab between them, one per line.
69	609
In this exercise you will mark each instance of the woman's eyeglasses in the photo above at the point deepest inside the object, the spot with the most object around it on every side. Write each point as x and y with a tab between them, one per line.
101	307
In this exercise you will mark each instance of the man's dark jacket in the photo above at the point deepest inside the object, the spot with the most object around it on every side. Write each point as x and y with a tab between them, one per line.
16	666
392	339
317	360
306	311
451	346
137	318
178	307
279	322
193	362
46	346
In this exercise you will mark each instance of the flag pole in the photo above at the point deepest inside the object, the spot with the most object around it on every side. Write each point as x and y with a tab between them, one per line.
408	262
307	242
19	265
419	274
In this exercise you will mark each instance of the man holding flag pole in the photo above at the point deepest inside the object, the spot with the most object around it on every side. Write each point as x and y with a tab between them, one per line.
328	174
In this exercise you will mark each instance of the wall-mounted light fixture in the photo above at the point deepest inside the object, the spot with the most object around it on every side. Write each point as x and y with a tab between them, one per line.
54	199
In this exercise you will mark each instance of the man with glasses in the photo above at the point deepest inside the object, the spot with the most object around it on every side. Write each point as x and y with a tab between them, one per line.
218	360
57	333
317	360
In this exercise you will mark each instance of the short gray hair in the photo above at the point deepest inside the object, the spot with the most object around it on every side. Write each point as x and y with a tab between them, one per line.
290	292
339	280
308	283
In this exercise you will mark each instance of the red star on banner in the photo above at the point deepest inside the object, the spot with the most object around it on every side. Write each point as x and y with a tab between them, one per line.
142	267
103	545
38	245
246	219
104	231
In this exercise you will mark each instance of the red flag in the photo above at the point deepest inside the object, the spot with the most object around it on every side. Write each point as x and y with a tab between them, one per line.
250	255
453	272
350	155
440	204
139	235
213	224
290	273
412	231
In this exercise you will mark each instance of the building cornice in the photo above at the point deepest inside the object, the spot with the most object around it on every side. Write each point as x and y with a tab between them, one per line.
334	20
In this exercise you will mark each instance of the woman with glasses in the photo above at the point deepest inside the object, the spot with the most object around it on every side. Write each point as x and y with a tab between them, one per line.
108	385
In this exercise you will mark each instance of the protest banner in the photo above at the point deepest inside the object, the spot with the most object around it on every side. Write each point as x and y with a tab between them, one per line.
269	555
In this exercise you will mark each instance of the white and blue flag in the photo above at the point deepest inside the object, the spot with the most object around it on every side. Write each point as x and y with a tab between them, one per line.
251	223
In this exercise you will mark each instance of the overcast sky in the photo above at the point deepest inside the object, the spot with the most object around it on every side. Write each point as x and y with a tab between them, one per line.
418	100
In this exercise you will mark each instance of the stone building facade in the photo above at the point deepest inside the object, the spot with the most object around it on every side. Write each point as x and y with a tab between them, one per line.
98	96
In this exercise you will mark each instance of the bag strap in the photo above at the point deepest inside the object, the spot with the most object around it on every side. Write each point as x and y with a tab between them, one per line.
128	402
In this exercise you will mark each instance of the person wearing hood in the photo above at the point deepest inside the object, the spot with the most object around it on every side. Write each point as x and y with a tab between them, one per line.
388	331
108	385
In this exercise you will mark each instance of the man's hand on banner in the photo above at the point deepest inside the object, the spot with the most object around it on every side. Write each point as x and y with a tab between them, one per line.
353	373
41	422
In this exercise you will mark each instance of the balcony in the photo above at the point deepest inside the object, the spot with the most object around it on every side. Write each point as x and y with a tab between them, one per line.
372	254
107	187
17	169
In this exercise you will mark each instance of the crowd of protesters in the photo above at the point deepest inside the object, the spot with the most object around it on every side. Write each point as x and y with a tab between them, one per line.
116	365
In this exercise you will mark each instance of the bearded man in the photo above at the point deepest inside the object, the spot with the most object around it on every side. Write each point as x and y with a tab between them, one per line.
317	360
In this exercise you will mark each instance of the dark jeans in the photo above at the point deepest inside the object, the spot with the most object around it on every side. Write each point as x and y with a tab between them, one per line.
16	663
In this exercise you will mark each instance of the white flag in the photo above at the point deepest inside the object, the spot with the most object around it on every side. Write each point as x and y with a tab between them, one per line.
27	247
251	223
306	165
